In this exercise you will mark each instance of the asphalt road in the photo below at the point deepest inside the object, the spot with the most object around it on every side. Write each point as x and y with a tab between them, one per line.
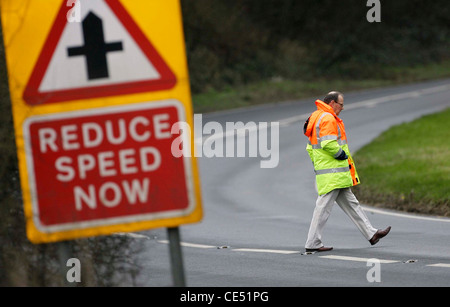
256	219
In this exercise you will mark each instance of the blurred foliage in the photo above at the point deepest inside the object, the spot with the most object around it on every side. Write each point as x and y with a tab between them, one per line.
237	42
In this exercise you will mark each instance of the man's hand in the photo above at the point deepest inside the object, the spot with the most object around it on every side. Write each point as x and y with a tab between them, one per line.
342	156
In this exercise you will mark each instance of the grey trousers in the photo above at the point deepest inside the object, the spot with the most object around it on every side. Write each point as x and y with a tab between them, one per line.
349	204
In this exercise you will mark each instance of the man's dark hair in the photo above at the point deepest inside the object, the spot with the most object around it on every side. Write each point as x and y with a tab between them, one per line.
334	95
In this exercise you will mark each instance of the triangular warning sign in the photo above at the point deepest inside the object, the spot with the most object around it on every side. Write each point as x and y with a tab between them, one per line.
105	53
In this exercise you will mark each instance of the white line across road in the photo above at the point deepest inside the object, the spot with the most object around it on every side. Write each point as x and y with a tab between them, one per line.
279	251
185	244
289	252
359	259
273	251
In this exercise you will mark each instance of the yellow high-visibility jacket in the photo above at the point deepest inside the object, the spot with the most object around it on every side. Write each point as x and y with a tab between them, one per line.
326	141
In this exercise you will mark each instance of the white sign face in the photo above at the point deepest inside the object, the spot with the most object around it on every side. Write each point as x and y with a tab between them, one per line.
75	62
102	53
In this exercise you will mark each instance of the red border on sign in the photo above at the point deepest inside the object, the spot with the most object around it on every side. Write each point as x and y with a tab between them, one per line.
33	96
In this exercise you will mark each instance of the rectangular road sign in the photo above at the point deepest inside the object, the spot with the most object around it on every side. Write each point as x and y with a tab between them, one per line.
96	87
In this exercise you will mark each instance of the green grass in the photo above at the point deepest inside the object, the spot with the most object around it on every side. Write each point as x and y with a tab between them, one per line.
279	89
408	167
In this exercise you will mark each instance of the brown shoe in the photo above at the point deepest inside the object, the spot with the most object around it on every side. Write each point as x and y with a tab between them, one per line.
320	249
378	235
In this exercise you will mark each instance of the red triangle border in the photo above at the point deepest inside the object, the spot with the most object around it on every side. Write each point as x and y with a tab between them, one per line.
32	96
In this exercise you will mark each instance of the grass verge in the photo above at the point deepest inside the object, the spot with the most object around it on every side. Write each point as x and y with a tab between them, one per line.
408	168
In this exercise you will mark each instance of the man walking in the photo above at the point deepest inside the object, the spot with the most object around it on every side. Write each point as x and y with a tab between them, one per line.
335	172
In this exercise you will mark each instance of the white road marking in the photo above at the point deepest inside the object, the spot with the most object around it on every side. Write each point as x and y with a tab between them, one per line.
290	120
257	250
442	265
406	215
189	244
289	252
132	235
347	258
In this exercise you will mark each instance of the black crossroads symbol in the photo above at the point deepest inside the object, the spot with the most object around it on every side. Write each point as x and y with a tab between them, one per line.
95	48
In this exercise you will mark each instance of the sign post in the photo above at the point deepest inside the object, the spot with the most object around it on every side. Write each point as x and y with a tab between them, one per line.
176	257
96	88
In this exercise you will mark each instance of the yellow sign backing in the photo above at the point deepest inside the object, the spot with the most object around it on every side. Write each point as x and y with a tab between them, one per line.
98	90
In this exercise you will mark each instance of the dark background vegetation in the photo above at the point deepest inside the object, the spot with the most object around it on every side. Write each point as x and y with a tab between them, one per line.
232	43
235	42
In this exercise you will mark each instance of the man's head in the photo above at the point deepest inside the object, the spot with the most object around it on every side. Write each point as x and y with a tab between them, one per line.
335	100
